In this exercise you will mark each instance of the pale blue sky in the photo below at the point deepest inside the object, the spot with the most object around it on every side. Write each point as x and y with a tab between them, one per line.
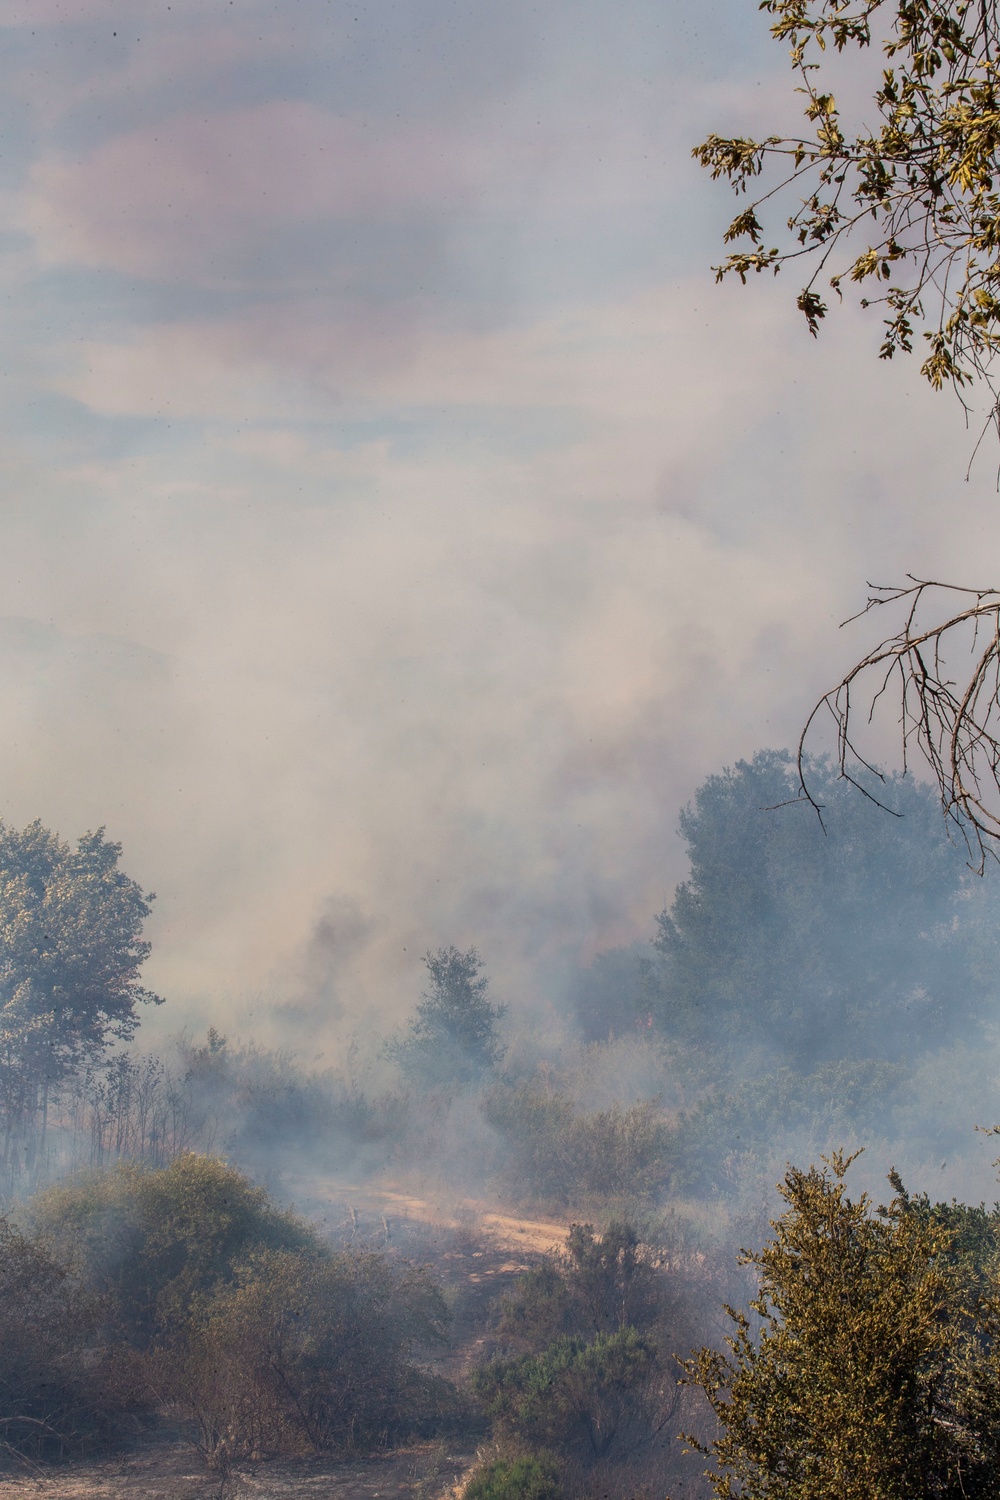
397	523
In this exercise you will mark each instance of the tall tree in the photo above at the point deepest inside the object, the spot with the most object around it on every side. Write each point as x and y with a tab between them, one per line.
454	1036
866	941
71	950
909	212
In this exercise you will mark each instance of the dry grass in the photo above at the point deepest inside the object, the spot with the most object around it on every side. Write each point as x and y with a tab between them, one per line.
166	1467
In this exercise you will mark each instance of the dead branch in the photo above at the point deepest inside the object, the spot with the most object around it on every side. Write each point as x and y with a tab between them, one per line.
950	715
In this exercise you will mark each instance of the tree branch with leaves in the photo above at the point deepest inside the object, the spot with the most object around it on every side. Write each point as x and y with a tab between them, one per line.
909	213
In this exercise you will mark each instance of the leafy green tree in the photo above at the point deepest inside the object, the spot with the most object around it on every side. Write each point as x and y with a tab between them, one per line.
850	1375
71	950
863	941
454	1036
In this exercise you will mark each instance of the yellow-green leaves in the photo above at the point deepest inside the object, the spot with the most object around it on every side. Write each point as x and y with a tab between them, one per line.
848	1379
918	190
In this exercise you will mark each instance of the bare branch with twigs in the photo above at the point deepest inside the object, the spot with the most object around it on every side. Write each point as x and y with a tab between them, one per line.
953	721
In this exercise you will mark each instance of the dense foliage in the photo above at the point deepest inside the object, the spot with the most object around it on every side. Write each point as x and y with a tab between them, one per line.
186	1289
866	1364
60	1390
154	1243
529	1476
312	1351
865	938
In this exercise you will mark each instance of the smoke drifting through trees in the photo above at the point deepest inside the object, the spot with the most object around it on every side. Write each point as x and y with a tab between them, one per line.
804	991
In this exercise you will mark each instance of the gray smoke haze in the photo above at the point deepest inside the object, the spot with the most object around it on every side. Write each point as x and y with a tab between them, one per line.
397	523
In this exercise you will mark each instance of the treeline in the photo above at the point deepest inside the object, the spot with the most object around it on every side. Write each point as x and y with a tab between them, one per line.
807	986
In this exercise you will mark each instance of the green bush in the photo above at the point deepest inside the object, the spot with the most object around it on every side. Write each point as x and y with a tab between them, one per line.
600	1284
532	1476
237	1315
587	1401
871	1366
152	1243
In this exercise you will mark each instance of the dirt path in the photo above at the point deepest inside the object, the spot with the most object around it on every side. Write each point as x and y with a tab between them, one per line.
379	1209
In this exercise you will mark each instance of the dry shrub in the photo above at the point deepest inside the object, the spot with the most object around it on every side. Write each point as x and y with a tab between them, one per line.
560	1155
311	1351
60	1390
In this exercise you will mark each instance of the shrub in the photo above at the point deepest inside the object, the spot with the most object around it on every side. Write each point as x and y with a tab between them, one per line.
60	1391
561	1155
873	1371
588	1401
532	1476
265	1110
600	1284
736	1131
311	1350
153	1242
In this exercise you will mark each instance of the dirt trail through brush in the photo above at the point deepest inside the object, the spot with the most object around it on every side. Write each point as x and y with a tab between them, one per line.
374	1211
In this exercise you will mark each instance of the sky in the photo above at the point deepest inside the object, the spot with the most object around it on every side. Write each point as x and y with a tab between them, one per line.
397	523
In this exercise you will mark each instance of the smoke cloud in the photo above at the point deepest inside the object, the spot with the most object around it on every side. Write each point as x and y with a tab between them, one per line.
397	523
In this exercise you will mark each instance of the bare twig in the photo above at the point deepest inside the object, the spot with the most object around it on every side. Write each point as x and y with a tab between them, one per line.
954	721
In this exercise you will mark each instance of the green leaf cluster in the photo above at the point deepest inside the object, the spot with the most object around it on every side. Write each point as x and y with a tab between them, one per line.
922	188
529	1476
